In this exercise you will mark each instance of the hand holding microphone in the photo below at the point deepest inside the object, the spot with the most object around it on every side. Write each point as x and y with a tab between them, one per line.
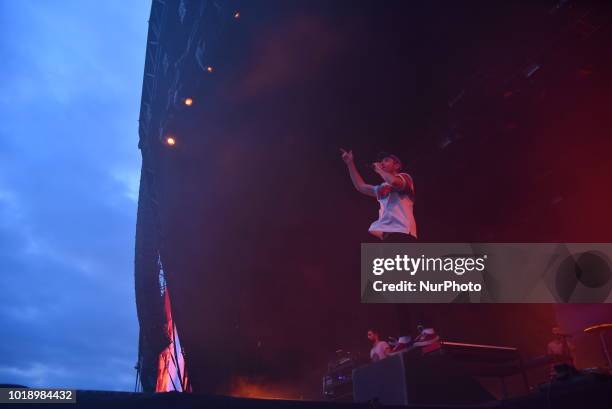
377	166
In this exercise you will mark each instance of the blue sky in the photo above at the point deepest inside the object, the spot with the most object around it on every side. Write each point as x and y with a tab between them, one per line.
71	77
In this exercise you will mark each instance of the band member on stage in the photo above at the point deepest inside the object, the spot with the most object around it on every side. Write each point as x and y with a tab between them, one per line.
380	349
561	351
395	194
560	348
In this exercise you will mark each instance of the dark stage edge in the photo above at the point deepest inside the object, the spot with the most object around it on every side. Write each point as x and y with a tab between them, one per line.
592	393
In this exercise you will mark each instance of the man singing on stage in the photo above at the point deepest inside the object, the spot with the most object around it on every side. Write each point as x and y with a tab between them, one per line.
395	195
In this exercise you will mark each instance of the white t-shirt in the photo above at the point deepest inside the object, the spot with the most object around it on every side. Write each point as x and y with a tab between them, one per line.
395	214
378	351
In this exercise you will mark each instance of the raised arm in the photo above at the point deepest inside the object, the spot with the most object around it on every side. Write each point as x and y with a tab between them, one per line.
356	178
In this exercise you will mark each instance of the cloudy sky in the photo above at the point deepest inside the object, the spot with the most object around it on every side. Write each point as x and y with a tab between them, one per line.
69	166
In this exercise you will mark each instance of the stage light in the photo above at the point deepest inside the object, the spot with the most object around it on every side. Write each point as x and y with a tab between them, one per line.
237	14
188	102
210	68
170	141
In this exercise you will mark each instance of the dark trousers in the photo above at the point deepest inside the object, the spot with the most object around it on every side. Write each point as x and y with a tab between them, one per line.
399	238
393	238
